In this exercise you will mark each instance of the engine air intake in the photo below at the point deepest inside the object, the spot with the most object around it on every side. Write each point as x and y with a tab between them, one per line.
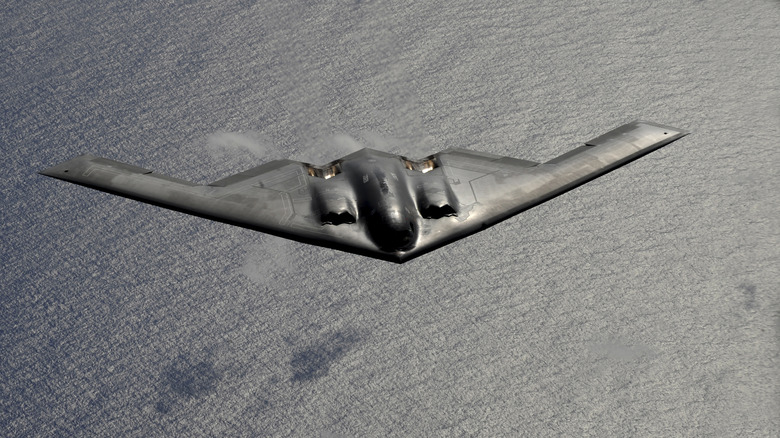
327	171
425	165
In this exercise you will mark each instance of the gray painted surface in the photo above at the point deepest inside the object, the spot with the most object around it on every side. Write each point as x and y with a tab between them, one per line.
397	208
643	303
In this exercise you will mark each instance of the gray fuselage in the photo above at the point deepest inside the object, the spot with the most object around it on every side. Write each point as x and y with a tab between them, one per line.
371	202
384	201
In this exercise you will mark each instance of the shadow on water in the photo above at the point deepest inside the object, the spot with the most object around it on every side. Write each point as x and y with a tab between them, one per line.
187	378
749	292
314	362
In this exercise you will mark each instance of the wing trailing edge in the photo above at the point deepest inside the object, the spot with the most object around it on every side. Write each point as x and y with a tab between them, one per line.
296	200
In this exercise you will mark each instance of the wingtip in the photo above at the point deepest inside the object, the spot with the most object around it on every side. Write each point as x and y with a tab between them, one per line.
56	171
63	169
680	132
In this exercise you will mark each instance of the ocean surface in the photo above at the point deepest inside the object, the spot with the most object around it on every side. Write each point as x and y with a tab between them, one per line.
645	303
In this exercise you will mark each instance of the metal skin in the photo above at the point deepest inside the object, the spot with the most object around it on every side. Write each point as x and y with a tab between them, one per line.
384	200
373	203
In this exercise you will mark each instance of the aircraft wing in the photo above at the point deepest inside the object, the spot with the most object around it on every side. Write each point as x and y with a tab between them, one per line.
490	188
273	198
277	197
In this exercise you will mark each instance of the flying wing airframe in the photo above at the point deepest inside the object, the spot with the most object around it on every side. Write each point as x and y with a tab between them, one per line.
374	203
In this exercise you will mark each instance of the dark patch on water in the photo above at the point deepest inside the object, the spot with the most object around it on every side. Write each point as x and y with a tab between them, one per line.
314	361
749	292
163	407
187	378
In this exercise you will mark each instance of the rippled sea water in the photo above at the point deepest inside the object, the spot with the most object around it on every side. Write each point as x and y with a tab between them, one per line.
644	303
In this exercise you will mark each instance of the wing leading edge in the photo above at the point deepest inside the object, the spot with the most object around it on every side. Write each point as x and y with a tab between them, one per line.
278	197
273	198
492	188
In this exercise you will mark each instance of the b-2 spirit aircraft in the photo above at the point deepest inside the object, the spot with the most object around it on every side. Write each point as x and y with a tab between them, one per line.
373	203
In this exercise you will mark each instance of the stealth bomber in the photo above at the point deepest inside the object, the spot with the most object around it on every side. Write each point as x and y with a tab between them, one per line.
374	203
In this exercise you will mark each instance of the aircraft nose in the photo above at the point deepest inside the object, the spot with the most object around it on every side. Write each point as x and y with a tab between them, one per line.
405	236
400	239
393	236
